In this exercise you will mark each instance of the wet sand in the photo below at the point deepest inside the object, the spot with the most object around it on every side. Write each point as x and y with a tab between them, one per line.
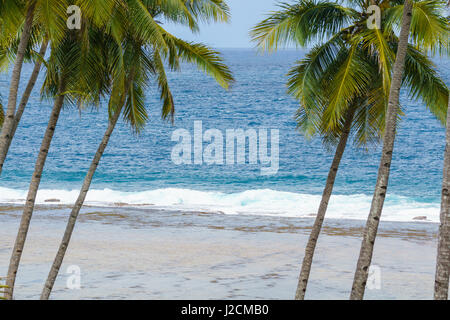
143	253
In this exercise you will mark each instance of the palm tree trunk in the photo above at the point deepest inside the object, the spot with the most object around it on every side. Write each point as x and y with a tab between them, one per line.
76	210
23	102
370	232
46	291
443	255
34	186
315	232
15	79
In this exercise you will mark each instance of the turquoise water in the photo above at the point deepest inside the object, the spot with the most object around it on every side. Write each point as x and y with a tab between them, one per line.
138	170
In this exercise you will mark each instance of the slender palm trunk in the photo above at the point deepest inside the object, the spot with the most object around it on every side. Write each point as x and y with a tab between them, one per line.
24	101
46	291
315	232
443	255
32	192
370	232
76	210
15	79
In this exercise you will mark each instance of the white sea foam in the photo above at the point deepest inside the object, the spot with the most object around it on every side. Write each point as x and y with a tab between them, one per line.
250	202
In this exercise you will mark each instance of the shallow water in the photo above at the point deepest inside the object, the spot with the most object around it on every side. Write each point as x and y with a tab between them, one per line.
128	253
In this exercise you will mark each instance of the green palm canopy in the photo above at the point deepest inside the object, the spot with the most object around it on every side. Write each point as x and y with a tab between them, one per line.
350	65
133	36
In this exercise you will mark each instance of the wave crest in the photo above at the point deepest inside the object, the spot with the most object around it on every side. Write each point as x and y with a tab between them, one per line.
250	202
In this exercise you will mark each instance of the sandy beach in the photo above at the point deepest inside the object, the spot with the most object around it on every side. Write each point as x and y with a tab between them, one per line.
144	253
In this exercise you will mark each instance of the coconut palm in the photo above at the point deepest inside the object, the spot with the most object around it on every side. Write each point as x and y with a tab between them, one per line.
145	60
443	256
56	82
426	42
443	259
64	71
343	83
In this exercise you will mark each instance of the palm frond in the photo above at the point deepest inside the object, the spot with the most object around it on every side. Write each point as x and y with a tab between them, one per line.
305	84
301	24
206	59
168	108
429	27
144	27
376	43
12	15
52	16
347	79
99	13
209	10
423	82
134	111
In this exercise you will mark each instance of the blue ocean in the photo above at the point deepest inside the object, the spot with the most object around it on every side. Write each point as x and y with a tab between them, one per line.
137	169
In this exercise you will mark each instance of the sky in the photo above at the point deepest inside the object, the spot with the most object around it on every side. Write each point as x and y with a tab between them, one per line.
245	14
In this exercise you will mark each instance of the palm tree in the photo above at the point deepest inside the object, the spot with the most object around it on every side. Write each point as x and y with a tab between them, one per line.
63	73
130	98
443	256
370	232
59	97
344	82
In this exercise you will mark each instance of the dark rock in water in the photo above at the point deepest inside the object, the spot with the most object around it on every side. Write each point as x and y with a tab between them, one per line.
421	218
52	200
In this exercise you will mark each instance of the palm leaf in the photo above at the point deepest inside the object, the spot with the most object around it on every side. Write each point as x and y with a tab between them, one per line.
375	41
423	82
206	59
347	79
52	16
207	10
301	24
168	109
429	27
305	84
